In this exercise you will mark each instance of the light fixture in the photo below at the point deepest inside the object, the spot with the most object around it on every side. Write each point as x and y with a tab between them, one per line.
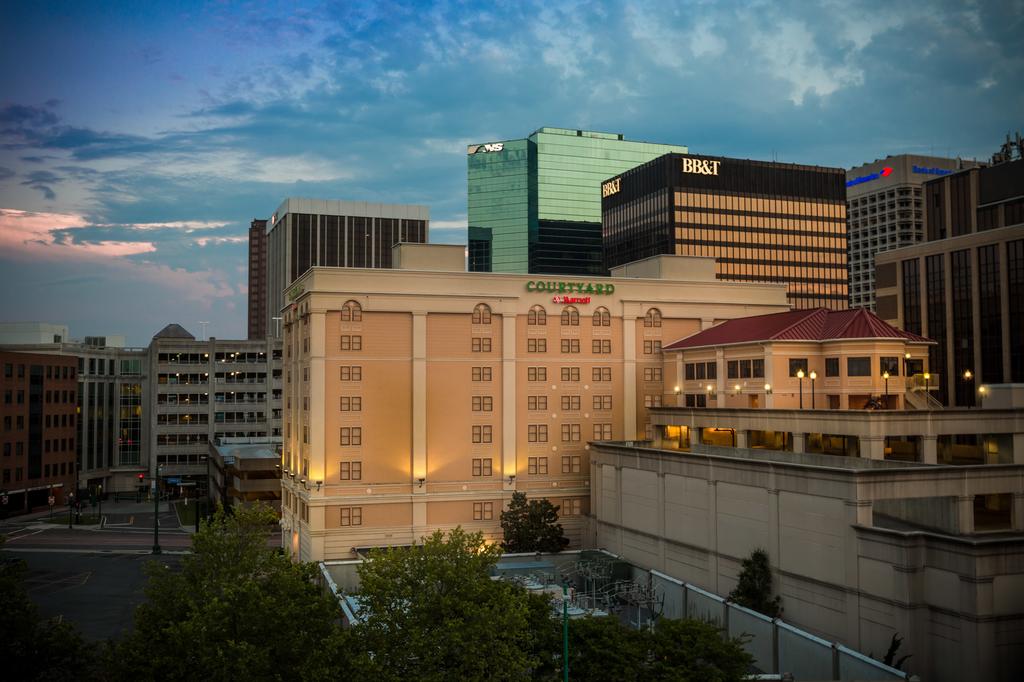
736	388
768	389
968	375
422	481
285	471
813	375
677	390
885	375
983	390
906	356
710	388
799	374
511	479
318	484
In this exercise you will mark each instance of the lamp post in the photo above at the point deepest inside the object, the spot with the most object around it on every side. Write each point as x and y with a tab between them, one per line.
813	375
969	380
710	388
156	512
906	364
982	391
800	376
885	375
927	387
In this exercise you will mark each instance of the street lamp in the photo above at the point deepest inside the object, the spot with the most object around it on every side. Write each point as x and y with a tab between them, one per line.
800	376
156	512
983	391
767	389
814	375
969	380
710	388
906	364
885	375
927	387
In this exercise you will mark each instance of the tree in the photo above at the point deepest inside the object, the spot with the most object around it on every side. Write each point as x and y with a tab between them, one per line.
532	526
604	649
432	612
694	650
32	648
237	609
754	589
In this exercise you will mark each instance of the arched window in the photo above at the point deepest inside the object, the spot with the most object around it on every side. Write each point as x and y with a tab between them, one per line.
652	318
351	312
537	316
570	317
482	314
602	318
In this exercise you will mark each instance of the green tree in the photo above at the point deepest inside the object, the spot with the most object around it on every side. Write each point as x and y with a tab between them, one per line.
32	648
237	609
432	612
532	526
754	589
604	649
691	650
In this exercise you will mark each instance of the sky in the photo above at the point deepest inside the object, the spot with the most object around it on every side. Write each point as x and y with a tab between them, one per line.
138	140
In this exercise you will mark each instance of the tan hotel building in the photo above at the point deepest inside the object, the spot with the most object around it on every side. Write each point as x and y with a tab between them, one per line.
422	397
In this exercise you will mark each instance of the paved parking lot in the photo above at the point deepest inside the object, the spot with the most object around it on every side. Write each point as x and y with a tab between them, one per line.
96	592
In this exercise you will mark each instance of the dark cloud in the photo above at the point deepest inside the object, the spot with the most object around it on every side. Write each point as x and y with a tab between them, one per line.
6	173
21	115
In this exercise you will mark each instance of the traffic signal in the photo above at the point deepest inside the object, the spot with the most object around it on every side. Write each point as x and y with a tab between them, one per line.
141	477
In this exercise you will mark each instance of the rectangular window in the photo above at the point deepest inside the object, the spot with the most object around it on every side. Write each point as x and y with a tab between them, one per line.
570	433
537	466
797	364
483	403
349	342
571	507
571	402
537	402
481	374
536	374
652	401
652	373
482	466
602	402
570	345
482	433
890	365
351	471
691	371
571	464
858	367
601	374
700	370
483	511
652	347
570	374
351	403
757	368
602	431
351	373
351	516
602	346
351	435
537	433
744	369
712	372
481	344
831	367
537	345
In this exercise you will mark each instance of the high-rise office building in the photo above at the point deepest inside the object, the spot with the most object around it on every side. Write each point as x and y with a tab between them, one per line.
258	279
761	221
963	286
305	233
535	202
885	210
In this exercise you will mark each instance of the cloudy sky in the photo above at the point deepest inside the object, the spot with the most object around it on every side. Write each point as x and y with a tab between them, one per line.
137	140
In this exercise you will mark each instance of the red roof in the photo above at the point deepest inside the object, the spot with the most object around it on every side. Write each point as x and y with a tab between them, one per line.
816	324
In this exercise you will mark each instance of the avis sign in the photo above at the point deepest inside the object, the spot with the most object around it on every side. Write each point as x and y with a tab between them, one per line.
701	166
479	148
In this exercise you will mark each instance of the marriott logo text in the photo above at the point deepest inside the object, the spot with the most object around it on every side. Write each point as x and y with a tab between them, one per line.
701	166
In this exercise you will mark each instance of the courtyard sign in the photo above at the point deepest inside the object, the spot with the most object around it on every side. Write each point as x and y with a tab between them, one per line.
563	288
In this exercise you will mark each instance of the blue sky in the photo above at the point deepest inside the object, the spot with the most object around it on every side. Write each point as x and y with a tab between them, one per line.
137	140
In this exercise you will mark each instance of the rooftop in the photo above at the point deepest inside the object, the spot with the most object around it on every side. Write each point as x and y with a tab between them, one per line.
816	324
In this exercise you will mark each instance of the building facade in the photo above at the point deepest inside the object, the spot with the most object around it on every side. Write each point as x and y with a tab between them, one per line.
26	333
203	391
257	292
305	233
963	286
802	359
539	198
761	221
37	430
885	210
417	400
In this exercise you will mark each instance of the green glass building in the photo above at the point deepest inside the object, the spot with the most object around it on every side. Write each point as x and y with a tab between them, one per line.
534	204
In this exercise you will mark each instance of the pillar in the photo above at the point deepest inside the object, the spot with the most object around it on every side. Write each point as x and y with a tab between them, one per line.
798	442
965	514
419	422
1018	511
1018	448
872	447
629	375
741	438
929	449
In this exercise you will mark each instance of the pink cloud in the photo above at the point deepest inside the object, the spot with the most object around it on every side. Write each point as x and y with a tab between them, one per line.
34	235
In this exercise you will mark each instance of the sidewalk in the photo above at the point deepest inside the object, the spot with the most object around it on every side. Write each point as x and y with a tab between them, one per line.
113	513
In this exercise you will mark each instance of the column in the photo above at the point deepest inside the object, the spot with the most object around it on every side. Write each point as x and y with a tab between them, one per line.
965	514
929	449
798	442
1018	448
872	447
419	422
508	399
713	535
720	387
741	438
1018	511
629	375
